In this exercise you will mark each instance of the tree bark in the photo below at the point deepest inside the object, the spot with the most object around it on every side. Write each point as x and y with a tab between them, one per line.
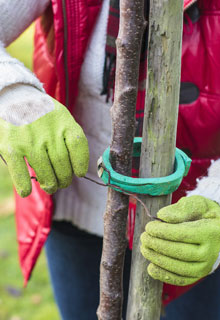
159	138
128	44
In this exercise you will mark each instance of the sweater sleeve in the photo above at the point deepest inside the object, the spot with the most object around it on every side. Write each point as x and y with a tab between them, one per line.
22	97
15	17
209	186
13	71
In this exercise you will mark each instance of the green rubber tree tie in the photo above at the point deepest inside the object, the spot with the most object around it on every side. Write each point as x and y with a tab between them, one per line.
151	186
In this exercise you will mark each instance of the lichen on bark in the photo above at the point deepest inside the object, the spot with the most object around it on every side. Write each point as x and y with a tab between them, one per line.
159	138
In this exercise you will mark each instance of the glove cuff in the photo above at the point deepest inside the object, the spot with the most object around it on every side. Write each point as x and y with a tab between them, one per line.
13	71
209	186
23	104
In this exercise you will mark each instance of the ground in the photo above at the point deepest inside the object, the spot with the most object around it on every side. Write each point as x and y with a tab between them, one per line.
36	301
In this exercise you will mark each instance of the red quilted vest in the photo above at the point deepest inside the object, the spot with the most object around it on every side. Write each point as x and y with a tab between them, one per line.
57	63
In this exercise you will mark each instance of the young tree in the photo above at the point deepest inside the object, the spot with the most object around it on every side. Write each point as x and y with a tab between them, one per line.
132	25
159	140
164	54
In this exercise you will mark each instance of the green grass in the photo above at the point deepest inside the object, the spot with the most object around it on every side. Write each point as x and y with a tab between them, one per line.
36	301
32	303
5	183
22	48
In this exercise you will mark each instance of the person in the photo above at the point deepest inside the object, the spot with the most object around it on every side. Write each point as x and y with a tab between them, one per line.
73	55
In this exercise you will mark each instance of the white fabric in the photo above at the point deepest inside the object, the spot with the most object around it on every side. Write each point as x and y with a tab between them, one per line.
12	71
209	186
83	203
19	104
23	104
17	15
216	264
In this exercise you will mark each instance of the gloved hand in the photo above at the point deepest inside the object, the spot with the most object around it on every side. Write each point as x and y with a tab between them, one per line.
186	246
53	144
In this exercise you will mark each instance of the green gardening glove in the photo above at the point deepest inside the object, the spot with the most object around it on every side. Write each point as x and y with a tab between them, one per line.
54	145
186	246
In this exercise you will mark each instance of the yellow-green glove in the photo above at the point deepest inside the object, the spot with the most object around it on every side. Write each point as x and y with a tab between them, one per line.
54	146
186	246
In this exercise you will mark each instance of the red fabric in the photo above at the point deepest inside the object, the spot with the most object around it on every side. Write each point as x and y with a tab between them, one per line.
32	229
33	214
198	126
188	3
199	122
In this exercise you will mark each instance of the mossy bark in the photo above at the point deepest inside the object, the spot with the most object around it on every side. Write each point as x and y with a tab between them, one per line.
159	138
128	43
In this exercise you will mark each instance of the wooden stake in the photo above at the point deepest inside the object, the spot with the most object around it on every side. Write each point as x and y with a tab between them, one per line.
128	43
159	138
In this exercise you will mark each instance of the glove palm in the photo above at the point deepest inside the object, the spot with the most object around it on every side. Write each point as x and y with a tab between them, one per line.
185	247
54	145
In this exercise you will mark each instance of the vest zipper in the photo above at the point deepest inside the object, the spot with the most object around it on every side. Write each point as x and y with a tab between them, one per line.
65	54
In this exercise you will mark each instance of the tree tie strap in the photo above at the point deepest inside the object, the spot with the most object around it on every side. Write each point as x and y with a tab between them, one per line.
151	186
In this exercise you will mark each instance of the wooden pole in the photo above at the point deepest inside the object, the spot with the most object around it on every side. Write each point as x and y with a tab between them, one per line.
159	138
128	44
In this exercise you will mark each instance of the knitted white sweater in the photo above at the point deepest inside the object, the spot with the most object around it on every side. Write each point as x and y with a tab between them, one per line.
15	17
82	203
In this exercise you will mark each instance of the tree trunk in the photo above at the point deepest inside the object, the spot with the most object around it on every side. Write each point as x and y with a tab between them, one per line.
128	43
159	138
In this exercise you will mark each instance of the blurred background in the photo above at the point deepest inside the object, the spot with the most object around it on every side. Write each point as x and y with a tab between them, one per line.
36	301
